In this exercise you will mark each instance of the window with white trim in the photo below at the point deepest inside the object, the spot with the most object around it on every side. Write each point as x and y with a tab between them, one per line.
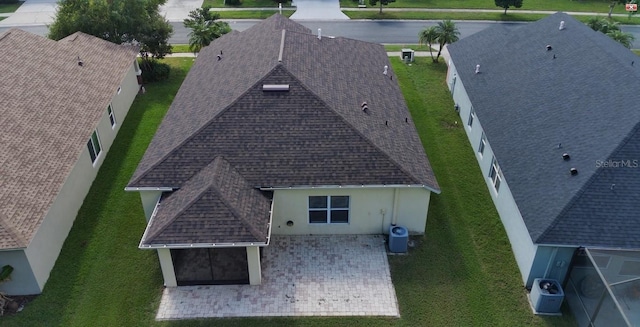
330	209
483	144
112	116
94	146
495	174
472	116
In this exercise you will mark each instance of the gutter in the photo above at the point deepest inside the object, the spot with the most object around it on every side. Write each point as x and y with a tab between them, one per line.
350	187
135	189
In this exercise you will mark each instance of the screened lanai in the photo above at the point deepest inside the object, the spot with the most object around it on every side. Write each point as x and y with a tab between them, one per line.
604	288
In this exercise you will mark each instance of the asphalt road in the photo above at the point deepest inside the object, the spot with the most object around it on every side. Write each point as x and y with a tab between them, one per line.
383	31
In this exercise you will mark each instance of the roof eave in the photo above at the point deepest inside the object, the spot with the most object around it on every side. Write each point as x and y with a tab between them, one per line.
299	187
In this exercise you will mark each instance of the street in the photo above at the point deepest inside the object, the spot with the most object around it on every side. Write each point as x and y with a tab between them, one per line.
378	31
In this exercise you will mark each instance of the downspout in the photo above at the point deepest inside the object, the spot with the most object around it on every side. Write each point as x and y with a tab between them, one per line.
394	218
554	254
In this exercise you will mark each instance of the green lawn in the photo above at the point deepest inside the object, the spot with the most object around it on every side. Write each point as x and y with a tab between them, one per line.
462	273
180	48
555	5
4	8
243	4
399	47
252	14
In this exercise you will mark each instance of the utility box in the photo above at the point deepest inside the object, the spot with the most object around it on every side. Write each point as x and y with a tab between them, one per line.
546	295
398	239
407	55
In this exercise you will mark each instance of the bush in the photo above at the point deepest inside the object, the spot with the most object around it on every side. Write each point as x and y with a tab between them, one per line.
154	71
7	2
234	3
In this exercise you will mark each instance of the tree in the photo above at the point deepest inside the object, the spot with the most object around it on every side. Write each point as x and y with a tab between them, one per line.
119	21
447	33
429	36
611	29
204	28
625	39
382	2
508	3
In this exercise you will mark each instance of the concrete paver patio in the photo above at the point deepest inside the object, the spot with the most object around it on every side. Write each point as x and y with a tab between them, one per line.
333	275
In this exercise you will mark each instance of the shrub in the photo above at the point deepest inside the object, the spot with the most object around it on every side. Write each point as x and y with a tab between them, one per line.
154	71
234	3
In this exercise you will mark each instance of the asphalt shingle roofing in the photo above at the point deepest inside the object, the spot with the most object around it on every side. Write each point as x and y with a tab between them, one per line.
313	134
581	98
48	109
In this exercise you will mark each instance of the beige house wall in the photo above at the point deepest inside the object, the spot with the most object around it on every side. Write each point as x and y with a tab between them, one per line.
22	279
46	244
371	210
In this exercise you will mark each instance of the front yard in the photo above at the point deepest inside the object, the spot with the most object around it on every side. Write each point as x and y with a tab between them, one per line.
461	274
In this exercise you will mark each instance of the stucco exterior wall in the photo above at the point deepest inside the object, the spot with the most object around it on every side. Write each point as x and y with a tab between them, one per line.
46	244
551	262
521	243
22	279
149	201
371	210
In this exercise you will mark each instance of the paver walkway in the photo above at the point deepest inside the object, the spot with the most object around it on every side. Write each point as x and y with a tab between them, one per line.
334	275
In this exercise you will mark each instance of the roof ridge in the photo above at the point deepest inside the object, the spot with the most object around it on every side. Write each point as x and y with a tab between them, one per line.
226	202
368	140
11	230
184	207
592	179
200	129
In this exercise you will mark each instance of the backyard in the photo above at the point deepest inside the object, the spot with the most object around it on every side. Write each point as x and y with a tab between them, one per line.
462	273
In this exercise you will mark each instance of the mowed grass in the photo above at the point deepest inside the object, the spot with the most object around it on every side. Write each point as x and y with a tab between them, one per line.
601	6
10	7
462	273
243	4
252	14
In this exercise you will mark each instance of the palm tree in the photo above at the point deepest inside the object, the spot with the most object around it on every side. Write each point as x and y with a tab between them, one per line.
204	28
447	33
625	39
595	23
429	36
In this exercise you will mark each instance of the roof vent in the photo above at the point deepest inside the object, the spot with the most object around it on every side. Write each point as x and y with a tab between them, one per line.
477	69
364	106
559	145
632	62
406	120
613	186
80	62
549	47
219	57
573	171
561	25
386	70
319	34
386	123
275	87
566	156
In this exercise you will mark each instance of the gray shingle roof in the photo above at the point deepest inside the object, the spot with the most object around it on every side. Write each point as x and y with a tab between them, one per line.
215	206
315	134
581	94
49	108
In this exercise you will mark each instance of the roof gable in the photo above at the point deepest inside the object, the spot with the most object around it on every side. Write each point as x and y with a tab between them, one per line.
281	139
216	206
535	104
50	106
216	89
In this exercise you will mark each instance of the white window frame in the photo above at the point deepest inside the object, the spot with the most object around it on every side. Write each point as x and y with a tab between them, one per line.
112	116
91	147
472	117
495	174
329	209
482	145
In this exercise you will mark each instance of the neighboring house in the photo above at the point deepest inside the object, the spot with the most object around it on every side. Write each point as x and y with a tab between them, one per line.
551	111
62	104
268	135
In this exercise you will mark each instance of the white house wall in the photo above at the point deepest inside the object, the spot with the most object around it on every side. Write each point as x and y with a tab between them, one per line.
47	242
149	201
523	248
551	262
371	210
22	279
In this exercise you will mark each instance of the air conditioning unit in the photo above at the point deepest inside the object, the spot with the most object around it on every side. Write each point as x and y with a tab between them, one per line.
546	295
398	239
408	55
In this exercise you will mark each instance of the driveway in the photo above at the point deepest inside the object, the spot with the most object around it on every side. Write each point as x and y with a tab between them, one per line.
318	10
345	275
32	12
